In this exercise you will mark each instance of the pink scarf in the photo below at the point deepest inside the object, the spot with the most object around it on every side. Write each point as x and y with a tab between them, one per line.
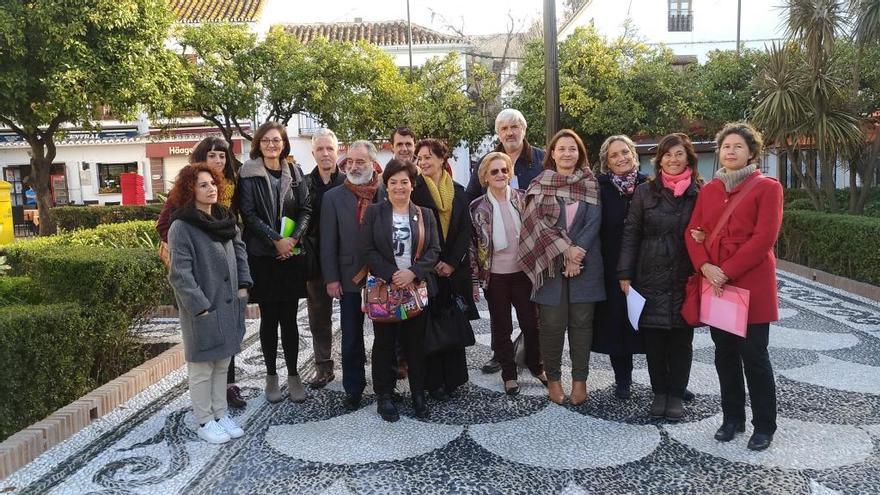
678	184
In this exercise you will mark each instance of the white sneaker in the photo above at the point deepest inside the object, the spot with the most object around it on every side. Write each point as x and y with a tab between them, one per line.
230	427
212	432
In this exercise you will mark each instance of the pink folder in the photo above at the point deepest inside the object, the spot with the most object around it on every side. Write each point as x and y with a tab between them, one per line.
729	312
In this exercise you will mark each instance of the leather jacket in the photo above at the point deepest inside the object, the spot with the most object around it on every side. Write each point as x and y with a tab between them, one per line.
261	210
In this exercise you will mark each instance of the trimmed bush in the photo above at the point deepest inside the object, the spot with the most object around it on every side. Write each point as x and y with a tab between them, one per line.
799	204
140	234
801	200
18	290
844	245
130	280
86	217
44	360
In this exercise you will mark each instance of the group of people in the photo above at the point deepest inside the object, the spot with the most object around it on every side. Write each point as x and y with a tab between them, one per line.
533	232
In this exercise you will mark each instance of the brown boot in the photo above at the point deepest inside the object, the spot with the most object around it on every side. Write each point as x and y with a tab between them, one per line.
578	392
554	391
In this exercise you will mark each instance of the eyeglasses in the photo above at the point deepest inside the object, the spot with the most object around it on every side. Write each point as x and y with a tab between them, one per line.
496	171
267	141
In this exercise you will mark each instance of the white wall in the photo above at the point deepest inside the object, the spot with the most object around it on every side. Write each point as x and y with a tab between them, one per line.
714	23
74	156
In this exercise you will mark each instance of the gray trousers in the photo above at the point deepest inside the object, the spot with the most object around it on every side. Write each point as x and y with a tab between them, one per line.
320	307
207	388
577	318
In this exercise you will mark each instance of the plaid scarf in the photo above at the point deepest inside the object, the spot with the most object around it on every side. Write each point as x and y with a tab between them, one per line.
442	194
364	194
541	241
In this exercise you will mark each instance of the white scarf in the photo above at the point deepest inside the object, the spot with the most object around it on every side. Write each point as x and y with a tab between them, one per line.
499	236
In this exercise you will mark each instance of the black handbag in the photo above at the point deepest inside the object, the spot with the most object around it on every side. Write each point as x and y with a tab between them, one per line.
447	327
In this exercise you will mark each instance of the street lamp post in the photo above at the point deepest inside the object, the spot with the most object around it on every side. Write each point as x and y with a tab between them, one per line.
409	38
551	70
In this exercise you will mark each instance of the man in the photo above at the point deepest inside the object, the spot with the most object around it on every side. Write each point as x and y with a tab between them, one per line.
403	144
510	125
325	176
341	215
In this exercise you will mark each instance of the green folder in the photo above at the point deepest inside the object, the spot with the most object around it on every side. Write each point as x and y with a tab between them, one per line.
287	227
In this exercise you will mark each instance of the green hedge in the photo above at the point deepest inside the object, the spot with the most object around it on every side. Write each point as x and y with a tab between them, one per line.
798	199
19	290
844	245
139	234
45	362
86	217
102	289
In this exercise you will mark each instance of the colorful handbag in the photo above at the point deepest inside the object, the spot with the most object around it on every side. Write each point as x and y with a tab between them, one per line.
383	303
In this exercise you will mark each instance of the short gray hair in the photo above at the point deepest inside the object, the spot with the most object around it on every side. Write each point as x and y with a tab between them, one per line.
363	143
325	133
509	114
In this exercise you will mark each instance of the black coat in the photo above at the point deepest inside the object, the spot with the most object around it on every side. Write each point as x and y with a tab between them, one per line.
653	255
317	188
261	211
612	333
453	249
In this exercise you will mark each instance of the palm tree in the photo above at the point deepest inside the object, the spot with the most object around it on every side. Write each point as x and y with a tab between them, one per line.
866	32
814	27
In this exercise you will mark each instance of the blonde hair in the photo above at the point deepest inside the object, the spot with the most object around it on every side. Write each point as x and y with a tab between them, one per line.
483	171
603	150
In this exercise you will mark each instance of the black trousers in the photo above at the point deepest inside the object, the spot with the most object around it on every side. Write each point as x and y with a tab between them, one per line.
669	353
411	334
622	364
513	290
734	356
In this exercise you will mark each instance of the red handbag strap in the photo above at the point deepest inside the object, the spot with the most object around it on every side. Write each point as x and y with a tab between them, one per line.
731	205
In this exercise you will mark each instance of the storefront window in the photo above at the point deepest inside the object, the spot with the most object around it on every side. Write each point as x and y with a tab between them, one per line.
108	175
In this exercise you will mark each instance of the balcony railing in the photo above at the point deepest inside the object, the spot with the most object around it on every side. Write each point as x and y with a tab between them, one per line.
681	22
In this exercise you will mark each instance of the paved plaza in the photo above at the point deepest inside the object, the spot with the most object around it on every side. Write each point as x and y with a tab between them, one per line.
825	352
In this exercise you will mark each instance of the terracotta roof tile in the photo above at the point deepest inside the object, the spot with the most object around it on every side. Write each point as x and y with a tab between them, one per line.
378	33
191	11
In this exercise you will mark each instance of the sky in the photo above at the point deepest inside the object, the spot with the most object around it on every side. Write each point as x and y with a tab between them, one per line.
472	17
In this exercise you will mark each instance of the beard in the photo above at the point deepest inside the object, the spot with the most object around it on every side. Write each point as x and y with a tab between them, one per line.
360	178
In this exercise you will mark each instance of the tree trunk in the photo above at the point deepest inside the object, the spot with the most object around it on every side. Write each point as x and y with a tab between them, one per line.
806	180
828	188
41	166
868	169
853	184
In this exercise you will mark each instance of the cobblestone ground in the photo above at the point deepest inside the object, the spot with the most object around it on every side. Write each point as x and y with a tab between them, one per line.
825	352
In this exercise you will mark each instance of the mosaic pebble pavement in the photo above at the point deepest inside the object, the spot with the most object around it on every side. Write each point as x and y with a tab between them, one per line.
825	351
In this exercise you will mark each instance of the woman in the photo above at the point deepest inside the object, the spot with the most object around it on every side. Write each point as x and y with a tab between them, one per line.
390	239
435	190
209	274
497	220
613	334
559	251
213	151
269	189
741	255
653	259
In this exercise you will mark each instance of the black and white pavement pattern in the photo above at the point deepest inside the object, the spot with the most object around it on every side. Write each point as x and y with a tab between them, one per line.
825	351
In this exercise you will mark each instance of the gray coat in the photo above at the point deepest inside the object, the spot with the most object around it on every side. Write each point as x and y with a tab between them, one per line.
341	256
589	286
206	275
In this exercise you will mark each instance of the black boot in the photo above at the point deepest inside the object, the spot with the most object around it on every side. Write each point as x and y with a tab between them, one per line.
729	430
439	394
760	441
420	405
386	408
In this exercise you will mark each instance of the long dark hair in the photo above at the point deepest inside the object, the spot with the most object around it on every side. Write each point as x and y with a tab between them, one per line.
213	143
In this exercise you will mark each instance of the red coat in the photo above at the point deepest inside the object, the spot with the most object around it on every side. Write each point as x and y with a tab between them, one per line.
744	250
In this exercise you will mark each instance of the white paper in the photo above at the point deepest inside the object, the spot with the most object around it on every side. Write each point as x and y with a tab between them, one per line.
635	303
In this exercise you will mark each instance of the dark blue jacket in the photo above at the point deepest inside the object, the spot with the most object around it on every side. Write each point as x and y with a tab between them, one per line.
529	164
